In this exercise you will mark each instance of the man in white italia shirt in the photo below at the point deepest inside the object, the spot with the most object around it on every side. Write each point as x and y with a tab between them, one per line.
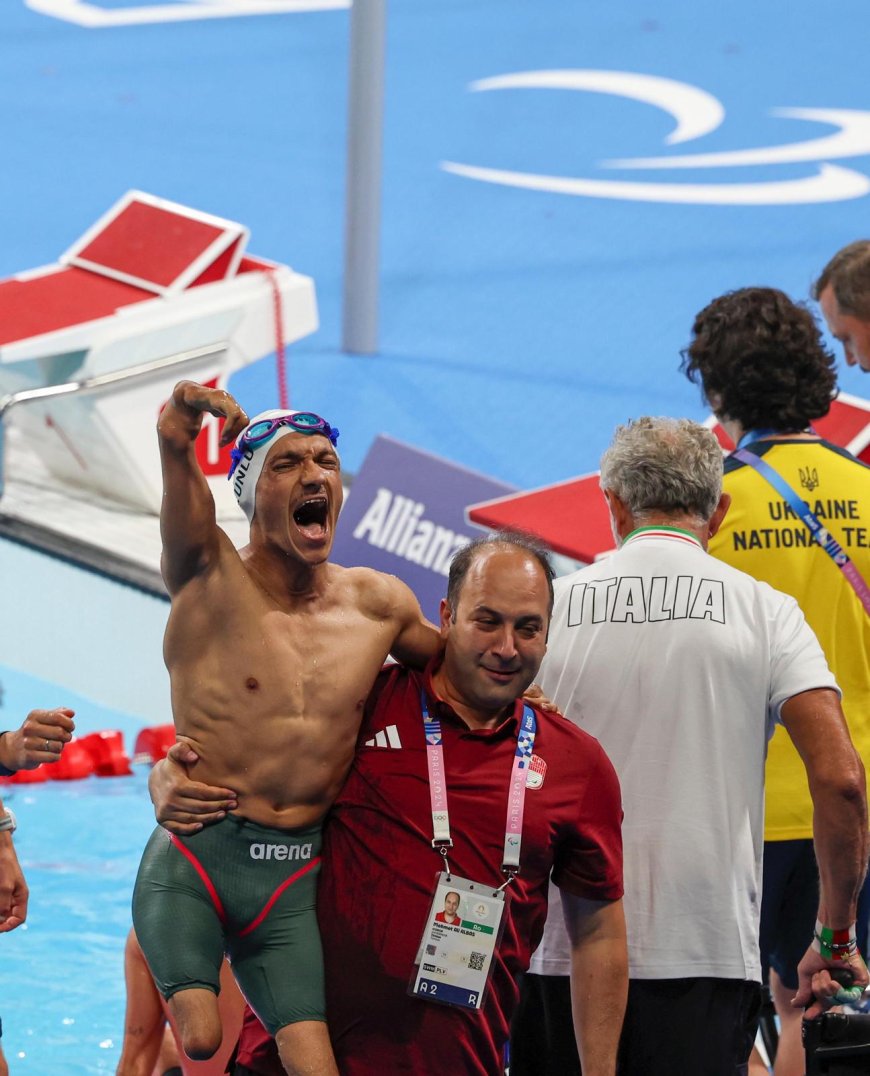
681	665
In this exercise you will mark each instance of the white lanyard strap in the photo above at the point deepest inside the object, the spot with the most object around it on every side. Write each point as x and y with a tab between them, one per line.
437	783
441	838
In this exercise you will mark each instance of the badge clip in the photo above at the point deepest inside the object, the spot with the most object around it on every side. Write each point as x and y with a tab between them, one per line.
511	873
441	845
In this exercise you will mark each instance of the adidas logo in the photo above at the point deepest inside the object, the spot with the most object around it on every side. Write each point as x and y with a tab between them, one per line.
388	737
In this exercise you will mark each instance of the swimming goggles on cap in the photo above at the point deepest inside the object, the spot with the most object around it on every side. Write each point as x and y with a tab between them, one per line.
260	432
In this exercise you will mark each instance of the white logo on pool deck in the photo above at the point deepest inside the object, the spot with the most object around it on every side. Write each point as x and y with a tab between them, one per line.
280	851
696	113
95	15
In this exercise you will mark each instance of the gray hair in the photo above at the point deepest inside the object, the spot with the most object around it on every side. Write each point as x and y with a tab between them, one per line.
664	465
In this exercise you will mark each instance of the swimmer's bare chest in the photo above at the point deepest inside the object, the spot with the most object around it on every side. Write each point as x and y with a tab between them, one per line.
272	700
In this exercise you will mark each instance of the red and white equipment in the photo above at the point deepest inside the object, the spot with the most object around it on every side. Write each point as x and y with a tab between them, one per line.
152	293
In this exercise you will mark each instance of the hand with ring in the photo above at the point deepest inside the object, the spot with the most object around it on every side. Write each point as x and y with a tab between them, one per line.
41	738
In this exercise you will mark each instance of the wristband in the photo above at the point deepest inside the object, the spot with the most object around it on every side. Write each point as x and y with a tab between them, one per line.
4	771
835	944
8	821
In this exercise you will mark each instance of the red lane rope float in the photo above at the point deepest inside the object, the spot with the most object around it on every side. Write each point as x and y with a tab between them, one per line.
280	350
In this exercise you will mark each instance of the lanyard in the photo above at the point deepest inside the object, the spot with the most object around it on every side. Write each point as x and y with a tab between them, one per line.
823	536
513	836
751	436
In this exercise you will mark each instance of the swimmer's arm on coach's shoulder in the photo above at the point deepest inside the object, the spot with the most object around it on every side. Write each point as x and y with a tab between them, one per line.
183	806
534	694
417	640
13	888
188	525
41	738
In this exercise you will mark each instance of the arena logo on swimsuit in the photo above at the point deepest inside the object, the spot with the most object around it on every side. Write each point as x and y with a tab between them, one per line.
280	851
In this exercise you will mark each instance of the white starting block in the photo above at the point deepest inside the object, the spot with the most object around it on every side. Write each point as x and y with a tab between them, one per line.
91	347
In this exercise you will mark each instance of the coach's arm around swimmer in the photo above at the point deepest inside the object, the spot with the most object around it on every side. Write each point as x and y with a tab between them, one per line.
41	738
13	888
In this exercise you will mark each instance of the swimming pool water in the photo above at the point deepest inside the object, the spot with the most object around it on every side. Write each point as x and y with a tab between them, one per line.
79	842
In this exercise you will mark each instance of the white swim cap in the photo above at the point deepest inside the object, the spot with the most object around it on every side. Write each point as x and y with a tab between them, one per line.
248	457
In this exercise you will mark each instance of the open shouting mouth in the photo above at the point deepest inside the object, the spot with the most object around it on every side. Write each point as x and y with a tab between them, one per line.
311	517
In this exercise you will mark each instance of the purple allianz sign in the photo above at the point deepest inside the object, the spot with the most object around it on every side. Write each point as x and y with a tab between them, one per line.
405	514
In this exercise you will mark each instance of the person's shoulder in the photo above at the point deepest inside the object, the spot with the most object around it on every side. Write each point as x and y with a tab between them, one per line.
560	730
752	594
777	602
379	594
775	605
846	457
728	573
570	752
563	584
796	451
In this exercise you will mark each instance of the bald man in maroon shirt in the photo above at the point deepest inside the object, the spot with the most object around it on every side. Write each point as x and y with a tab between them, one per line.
380	864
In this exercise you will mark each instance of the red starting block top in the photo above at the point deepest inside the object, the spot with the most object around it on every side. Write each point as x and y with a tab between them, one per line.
60	299
142	248
158	245
146	243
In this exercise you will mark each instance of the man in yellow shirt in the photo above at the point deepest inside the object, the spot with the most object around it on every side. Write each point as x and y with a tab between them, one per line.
765	372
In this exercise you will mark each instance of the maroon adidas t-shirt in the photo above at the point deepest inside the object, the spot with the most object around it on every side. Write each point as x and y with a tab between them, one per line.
379	871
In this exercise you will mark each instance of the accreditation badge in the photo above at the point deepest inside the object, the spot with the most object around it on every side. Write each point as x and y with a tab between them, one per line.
459	940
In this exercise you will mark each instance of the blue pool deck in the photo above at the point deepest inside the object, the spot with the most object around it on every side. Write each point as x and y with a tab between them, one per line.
79	842
520	320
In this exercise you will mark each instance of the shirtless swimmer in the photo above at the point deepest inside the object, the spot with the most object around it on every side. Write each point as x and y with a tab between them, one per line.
271	652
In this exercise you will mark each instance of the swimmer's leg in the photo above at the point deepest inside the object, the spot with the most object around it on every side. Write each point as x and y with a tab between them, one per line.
196	1015
179	928
305	1049
277	960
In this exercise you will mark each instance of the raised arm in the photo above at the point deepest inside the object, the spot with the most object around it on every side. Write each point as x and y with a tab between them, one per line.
187	515
599	979
814	720
417	639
